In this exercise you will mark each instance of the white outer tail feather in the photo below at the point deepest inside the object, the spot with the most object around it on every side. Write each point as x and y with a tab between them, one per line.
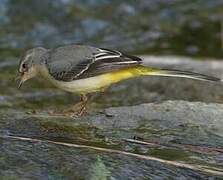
184	74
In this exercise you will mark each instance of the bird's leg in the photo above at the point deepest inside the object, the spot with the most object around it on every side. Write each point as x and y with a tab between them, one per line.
84	101
79	108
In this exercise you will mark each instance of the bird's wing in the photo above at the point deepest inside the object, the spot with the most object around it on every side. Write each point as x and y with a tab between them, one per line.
107	60
70	63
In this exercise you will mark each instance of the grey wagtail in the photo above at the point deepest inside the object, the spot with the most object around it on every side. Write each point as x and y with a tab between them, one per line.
84	69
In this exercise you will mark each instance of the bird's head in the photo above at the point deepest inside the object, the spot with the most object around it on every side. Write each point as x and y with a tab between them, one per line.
28	66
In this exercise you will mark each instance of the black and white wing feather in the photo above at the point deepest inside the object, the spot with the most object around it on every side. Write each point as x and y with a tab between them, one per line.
109	60
74	62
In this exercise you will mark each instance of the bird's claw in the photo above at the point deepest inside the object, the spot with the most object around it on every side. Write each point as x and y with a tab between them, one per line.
69	113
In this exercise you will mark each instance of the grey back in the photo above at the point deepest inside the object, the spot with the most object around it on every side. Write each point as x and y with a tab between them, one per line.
74	62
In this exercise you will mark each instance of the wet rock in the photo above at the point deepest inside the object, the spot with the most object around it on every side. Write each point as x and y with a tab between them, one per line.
171	122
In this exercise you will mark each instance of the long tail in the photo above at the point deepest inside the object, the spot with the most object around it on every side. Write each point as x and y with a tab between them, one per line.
175	73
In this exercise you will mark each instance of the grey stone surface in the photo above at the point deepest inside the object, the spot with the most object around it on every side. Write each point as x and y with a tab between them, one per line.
170	122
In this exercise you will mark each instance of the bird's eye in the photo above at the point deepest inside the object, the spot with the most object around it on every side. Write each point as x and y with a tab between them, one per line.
24	67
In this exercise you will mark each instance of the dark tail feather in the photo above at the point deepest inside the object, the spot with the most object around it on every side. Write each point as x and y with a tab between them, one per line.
178	73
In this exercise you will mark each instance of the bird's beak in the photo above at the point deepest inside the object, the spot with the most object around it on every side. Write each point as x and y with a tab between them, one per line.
20	80
20	83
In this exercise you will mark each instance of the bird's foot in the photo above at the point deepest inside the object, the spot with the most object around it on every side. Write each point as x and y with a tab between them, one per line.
68	114
75	112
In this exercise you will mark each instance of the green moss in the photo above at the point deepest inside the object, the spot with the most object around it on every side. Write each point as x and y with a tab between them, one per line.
169	154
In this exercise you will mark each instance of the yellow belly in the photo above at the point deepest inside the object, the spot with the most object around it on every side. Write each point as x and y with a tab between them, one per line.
94	84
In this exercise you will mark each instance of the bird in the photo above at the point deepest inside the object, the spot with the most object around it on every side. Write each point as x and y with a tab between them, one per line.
83	70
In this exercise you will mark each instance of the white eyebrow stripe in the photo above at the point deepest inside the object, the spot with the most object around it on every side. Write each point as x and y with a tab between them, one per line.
27	57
